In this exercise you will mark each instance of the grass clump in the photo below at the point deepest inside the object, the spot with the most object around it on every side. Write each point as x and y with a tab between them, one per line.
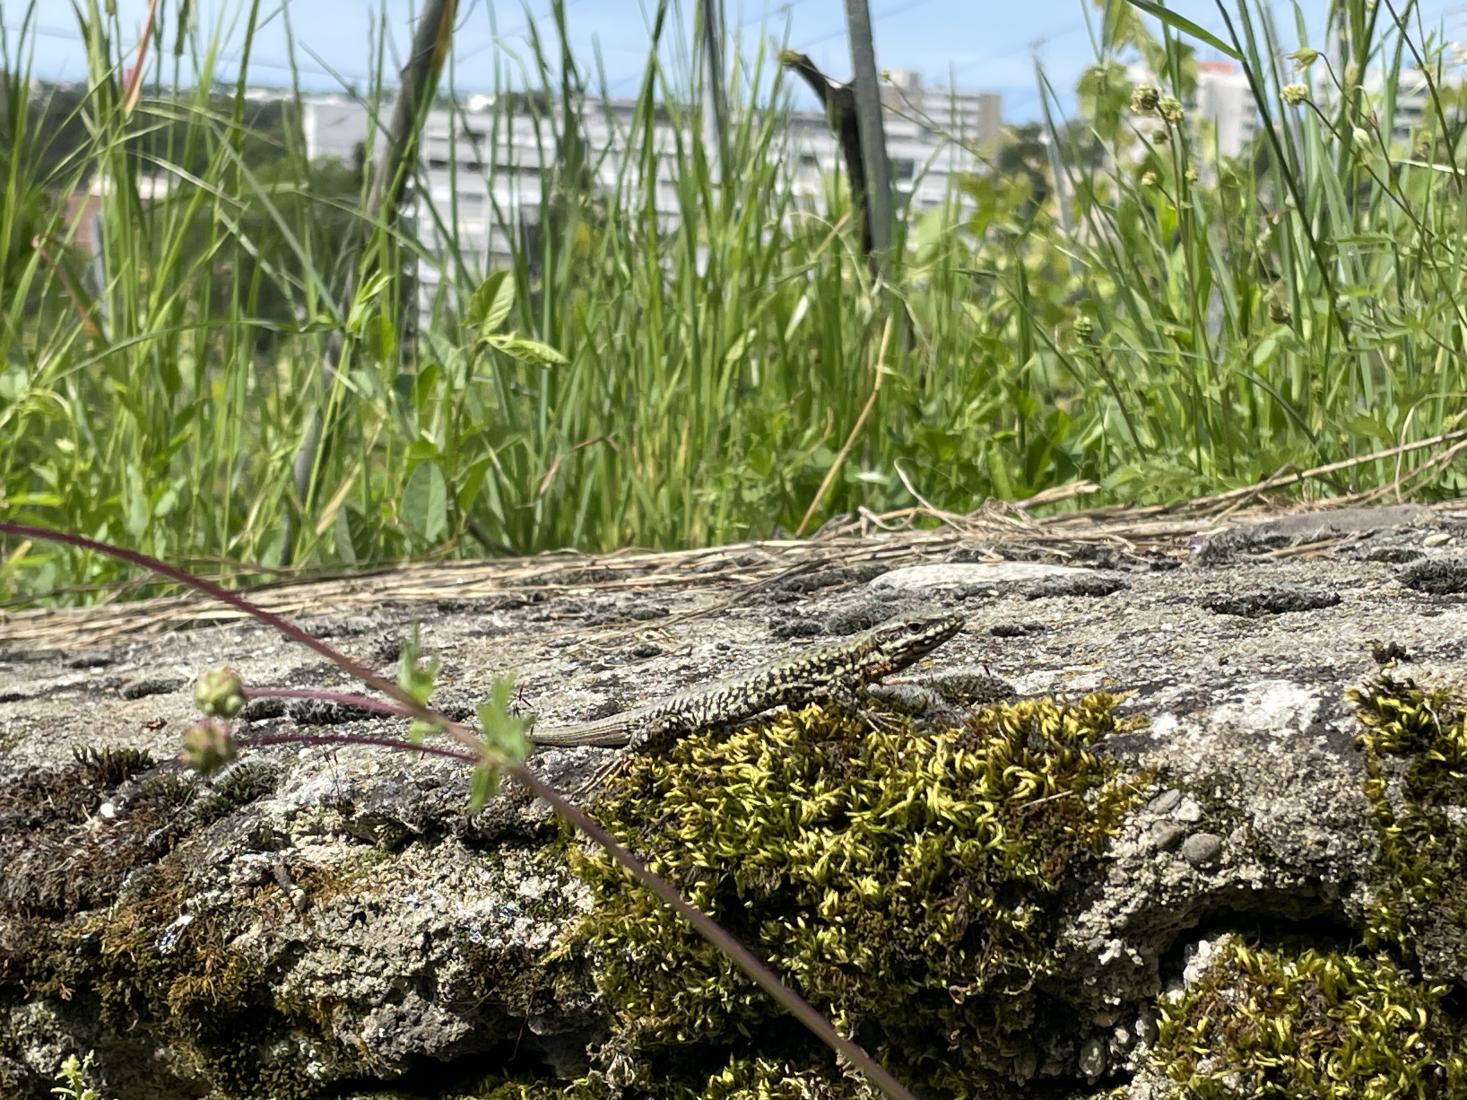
1415	742
1271	1022
904	881
1118	301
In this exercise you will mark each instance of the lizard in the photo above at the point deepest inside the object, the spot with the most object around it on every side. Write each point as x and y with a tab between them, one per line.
834	673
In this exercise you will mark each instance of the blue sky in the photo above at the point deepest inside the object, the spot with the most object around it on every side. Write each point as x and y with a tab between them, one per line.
984	44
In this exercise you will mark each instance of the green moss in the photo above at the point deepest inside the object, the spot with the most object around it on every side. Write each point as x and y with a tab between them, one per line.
497	1088
1275	1022
59	856
1415	745
903	880
1265	1022
152	958
766	1079
742	1078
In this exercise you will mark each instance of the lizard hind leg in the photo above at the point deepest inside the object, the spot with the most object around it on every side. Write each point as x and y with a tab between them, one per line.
867	706
615	766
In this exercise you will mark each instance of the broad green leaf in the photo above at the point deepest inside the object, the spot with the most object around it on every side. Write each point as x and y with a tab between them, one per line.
490	304
530	352
483	786
739	347
385	344
504	740
416	675
341	531
362	306
1368	427
13	382
425	501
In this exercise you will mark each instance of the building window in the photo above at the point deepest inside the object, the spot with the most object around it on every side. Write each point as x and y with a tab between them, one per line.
903	170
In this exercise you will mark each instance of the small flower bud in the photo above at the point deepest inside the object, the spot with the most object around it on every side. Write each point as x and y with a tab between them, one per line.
1303	58
1294	94
220	692
1171	109
1145	98
208	745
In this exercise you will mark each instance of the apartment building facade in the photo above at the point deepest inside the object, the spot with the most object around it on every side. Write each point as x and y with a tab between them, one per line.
483	161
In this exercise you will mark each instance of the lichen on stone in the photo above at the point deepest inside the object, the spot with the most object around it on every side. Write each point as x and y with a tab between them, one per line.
904	880
1284	1021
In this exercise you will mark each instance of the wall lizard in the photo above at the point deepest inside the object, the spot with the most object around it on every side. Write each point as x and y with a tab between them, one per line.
834	673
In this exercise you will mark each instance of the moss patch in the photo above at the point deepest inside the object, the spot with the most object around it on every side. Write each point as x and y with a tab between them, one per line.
58	855
1415	742
743	1078
762	1079
98	902
905	881
1286	1023
63	855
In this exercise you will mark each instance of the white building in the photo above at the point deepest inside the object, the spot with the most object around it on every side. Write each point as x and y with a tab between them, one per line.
932	135
483	162
1414	109
1225	99
334	126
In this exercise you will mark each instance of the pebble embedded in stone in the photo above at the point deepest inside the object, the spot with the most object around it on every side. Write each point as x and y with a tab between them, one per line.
1202	849
1092	1059
1166	835
1165	802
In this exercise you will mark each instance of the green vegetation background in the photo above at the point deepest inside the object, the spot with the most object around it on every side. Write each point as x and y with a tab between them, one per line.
1113	303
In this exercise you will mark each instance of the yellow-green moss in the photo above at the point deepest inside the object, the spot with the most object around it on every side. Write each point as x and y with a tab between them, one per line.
1415	743
1266	1022
766	1079
901	879
73	1076
1280	1022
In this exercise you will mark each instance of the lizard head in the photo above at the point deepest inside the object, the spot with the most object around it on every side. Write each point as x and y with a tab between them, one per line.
903	641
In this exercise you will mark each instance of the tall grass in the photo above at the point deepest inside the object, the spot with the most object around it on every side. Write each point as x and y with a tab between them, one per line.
1290	307
1163	321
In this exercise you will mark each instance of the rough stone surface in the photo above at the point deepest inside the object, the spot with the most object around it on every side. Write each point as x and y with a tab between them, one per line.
408	940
